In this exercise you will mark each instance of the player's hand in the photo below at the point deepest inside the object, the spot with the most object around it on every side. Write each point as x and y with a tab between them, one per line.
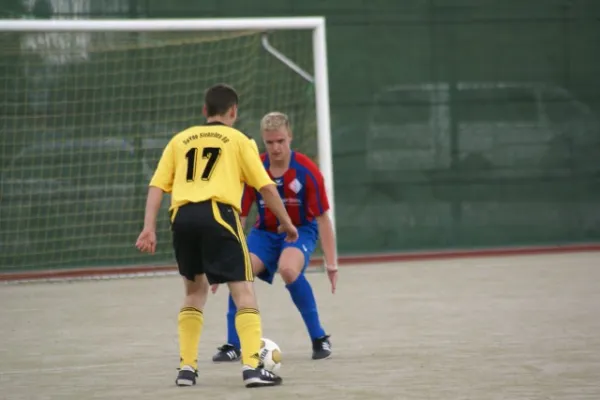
332	274
214	287
146	242
290	231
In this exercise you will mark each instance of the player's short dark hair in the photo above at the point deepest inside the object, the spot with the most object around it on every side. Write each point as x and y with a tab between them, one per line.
218	99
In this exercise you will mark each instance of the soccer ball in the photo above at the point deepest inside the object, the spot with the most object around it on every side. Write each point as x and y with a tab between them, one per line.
270	355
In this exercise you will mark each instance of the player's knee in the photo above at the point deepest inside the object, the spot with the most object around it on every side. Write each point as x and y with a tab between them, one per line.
257	265
290	271
243	294
291	264
289	274
196	292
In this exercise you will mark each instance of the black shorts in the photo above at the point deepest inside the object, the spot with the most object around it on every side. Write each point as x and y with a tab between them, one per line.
208	239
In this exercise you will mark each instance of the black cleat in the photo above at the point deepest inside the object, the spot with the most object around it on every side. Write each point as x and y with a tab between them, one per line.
227	353
260	377
321	348
186	376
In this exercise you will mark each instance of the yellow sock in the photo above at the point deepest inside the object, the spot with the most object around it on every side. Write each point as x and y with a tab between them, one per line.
247	324
190	324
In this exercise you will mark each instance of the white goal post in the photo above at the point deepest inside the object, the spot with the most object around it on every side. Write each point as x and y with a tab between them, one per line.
319	82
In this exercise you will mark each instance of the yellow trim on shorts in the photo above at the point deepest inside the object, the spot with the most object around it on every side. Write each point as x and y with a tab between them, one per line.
174	214
220	220
240	238
248	261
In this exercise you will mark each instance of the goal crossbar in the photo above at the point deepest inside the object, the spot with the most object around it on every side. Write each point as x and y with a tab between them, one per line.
156	25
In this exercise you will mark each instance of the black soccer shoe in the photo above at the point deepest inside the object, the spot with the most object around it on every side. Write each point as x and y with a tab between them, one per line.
186	377
227	353
260	377
321	348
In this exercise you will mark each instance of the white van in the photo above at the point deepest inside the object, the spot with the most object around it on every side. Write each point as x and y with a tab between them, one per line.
511	128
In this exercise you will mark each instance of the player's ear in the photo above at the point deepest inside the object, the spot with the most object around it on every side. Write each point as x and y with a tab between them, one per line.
204	111
233	112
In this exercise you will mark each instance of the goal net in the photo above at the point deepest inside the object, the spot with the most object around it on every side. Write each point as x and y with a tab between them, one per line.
86	115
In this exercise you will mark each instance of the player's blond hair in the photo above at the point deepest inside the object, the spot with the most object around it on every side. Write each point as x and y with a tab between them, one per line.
274	121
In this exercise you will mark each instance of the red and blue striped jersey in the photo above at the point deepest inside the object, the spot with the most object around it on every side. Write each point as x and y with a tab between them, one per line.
302	189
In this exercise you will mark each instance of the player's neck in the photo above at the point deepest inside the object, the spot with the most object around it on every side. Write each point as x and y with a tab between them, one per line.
278	168
221	119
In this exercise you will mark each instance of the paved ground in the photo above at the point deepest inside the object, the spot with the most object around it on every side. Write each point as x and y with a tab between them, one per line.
502	328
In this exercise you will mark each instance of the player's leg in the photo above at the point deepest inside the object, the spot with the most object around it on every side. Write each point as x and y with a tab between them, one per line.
227	260
264	248
293	262
232	336
190	320
230	351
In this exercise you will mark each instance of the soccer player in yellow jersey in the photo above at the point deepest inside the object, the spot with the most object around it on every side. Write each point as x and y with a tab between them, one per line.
204	168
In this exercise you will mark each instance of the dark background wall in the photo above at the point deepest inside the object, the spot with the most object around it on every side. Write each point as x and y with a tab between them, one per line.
456	124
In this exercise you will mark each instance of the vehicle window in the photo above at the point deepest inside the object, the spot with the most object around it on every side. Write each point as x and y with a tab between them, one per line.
496	105
153	157
105	167
153	149
77	166
560	108
30	166
401	107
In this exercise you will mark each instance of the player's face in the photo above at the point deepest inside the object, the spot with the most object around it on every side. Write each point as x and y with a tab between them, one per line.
278	144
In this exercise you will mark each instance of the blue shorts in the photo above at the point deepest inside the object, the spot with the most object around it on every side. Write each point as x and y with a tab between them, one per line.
268	246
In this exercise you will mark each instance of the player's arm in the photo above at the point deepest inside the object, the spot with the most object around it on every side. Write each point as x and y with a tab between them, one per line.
318	204
153	202
256	176
327	236
161	182
248	198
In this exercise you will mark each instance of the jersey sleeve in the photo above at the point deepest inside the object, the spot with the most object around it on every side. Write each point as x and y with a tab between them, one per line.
254	172
248	198
165	171
318	203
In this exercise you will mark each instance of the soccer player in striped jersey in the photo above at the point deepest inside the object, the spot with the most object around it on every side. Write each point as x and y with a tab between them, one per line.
302	189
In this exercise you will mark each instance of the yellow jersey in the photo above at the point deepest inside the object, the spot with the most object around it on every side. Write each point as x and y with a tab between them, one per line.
209	162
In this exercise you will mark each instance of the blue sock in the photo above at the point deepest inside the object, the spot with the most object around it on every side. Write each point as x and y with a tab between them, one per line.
232	336
303	297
